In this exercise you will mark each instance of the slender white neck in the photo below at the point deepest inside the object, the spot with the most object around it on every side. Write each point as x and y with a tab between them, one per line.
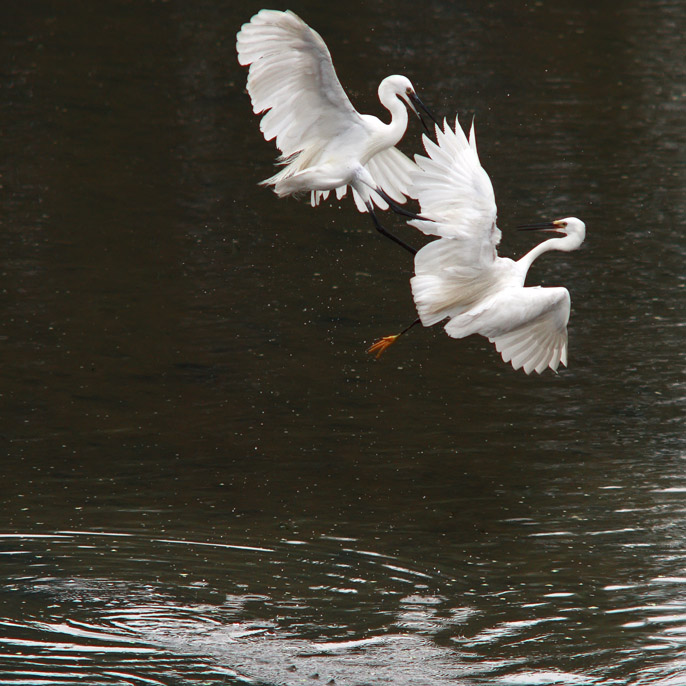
565	243
395	130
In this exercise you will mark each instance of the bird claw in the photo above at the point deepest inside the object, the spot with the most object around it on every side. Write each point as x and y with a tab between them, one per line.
380	347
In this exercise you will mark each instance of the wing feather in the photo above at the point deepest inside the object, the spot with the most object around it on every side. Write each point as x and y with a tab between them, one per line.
392	172
449	279
292	78
539	339
456	193
527	325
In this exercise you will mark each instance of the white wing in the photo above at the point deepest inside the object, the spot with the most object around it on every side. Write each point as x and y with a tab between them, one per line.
456	193
450	278
390	170
292	76
527	325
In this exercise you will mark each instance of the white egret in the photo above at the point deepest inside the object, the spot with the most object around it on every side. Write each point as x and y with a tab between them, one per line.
460	276
326	144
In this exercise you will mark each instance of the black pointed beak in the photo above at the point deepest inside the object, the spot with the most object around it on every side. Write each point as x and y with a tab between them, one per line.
415	100
543	226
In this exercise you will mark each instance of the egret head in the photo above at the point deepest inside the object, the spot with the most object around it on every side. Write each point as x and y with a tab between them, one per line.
402	87
569	227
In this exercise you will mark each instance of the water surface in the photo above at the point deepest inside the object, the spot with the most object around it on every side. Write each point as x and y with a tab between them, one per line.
207	480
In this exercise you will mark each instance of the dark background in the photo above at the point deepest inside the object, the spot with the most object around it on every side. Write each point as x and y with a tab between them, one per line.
184	358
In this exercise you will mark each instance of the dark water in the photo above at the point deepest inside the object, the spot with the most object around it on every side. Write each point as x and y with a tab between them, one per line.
207	480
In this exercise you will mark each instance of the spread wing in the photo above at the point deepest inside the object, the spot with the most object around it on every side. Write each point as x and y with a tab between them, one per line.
456	193
391	171
446	284
291	75
527	325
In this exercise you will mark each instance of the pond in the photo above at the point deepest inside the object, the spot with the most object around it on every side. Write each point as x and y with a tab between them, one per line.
208	481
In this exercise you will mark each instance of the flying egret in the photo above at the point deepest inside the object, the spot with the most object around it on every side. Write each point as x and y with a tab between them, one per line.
460	276
326	144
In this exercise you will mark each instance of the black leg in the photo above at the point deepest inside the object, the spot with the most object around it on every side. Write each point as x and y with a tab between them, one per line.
398	208
386	233
407	328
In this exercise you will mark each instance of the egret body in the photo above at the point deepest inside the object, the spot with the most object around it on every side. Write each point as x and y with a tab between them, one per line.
326	144
460	277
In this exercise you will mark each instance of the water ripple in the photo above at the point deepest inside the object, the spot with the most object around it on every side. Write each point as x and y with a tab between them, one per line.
117	631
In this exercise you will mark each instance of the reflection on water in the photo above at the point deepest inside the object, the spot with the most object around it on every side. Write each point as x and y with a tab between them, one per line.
208	481
284	613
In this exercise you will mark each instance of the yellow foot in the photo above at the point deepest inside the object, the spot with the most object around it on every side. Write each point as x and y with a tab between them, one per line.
380	347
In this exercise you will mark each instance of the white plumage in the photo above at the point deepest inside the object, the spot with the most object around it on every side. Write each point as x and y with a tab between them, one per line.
460	276
326	144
